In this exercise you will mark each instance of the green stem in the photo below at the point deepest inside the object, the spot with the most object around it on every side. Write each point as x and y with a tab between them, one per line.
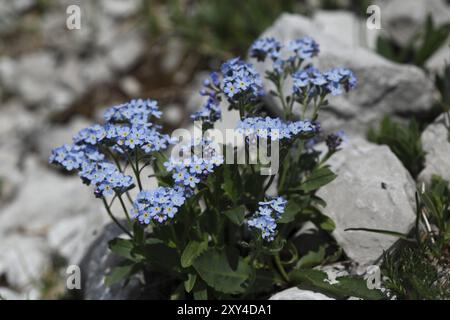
108	210
124	209
138	172
281	268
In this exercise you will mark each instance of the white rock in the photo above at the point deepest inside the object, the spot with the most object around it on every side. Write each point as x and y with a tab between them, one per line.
440	59
130	86
120	8
436	144
125	51
372	190
383	86
342	25
72	236
403	19
299	294
23	259
173	114
45	198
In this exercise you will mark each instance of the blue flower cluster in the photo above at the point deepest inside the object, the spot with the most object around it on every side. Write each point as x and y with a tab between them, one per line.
210	111
136	111
106	178
264	47
93	168
265	219
240	81
273	128
334	140
128	129
304	48
158	205
188	171
312	82
72	157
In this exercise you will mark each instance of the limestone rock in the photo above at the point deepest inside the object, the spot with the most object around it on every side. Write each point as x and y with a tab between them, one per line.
436	144
372	190
299	294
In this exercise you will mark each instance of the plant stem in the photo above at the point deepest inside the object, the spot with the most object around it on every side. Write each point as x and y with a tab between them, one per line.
124	209
281	268
138	172
108	210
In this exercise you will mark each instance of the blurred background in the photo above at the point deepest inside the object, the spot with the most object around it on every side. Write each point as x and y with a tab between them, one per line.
55	81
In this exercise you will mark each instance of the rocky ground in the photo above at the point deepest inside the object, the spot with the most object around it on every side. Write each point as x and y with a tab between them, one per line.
54	82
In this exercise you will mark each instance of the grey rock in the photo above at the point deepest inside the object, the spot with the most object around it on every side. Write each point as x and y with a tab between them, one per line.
383	86
403	19
440	59
299	294
23	76
436	144
125	51
173	114
372	190
99	261
45	198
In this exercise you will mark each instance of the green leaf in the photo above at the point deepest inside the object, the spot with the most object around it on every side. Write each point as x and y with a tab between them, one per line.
214	269
326	223
120	272
347	286
290	212
201	294
192	251
122	247
160	256
311	259
190	282
318	178
232	182
236	215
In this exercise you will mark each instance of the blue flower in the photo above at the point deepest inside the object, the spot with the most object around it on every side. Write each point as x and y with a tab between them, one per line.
209	113
304	48
188	172
137	111
264	47
265	219
273	128
159	205
240	81
334	140
311	82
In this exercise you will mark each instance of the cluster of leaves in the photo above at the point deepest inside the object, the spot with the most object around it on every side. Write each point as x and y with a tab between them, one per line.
222	27
419	48
410	275
403	140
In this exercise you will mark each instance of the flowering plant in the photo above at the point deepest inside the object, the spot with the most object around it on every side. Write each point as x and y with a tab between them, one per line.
218	229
